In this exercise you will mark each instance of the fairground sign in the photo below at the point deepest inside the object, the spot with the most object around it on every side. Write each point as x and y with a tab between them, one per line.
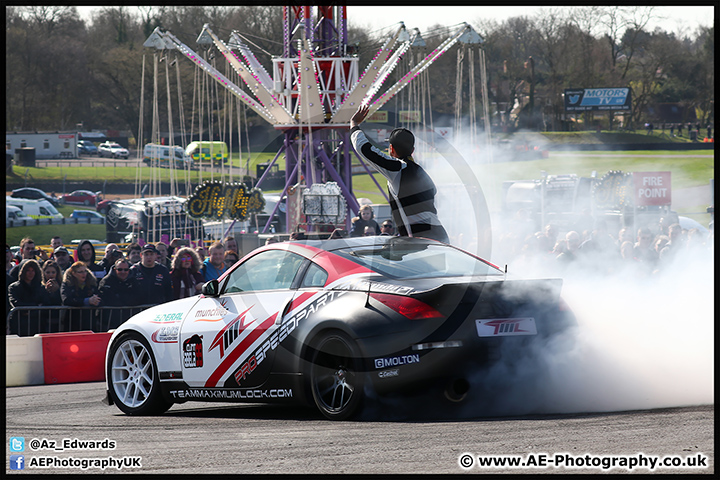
216	200
598	99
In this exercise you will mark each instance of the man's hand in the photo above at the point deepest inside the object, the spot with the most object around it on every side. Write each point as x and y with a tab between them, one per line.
359	115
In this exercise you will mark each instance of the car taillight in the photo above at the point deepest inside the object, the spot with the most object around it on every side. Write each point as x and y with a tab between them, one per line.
407	306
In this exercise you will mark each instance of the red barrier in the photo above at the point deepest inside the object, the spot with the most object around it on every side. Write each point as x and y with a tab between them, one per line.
72	357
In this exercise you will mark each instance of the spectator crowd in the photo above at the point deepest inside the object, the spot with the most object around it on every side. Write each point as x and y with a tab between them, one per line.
140	276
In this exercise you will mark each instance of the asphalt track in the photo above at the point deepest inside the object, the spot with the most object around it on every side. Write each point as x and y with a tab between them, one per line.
257	439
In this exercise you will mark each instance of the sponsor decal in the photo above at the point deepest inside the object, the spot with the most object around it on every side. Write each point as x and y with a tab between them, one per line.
229	394
193	352
388	373
218	312
503	327
365	285
227	336
397	361
282	333
167	318
167	334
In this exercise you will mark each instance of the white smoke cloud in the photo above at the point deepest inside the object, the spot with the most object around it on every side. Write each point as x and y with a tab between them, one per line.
642	341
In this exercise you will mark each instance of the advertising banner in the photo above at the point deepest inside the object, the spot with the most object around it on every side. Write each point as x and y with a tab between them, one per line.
597	99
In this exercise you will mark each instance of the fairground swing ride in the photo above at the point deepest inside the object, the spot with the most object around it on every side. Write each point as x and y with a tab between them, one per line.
315	88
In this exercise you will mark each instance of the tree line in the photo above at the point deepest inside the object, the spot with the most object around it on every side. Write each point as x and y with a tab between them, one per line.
62	71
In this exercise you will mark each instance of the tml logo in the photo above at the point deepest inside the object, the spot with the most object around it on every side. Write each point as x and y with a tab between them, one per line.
506	327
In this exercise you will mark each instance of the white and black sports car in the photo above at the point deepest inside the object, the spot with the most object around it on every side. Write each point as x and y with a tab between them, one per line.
319	322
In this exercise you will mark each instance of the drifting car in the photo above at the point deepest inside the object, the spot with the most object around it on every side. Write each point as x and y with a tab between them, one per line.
113	150
316	322
80	197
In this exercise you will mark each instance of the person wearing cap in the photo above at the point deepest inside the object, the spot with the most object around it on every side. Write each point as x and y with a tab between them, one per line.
412	191
62	258
153	279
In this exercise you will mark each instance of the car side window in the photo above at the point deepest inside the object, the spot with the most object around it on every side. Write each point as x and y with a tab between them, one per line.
269	270
314	277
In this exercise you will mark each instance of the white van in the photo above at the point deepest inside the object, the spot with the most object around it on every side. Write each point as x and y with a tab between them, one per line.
34	208
154	154
15	214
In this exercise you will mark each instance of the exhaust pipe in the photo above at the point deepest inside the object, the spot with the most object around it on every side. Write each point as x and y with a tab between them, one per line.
457	389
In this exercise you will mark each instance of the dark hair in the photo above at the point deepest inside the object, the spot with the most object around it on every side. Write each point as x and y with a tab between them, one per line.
53	264
133	246
403	141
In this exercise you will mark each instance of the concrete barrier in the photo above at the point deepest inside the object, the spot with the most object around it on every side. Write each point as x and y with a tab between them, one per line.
73	357
24	361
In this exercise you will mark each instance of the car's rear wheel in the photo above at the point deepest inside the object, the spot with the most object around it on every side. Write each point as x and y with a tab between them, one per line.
336	376
133	377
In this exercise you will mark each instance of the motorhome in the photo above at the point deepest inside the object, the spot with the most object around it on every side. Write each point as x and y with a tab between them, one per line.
205	152
161	155
34	208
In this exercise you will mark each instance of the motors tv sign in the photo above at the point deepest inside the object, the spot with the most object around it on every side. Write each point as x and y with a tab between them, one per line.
652	188
597	99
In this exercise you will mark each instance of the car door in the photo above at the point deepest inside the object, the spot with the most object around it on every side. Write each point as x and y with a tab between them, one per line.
229	341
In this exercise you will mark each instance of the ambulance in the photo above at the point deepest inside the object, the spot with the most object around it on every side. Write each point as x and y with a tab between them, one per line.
205	152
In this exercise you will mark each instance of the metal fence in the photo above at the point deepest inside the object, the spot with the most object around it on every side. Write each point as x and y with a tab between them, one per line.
27	321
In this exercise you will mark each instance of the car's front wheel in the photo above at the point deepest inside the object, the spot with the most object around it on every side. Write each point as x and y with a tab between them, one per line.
133	377
336	376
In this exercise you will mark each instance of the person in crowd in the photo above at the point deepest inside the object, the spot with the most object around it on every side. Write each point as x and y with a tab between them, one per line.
62	258
112	255
412	191
643	248
153	279
79	289
201	251
365	218
214	265
599	250
624	235
86	253
387	228
570	249
162	257
550	234
133	253
27	291
27	252
117	289
659	243
56	242
231	244
369	232
51	281
231	258
187	281
9	259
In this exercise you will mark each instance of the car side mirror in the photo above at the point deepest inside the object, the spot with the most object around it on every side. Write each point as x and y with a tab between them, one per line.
211	289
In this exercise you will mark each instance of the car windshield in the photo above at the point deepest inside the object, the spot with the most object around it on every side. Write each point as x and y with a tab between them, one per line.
401	259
